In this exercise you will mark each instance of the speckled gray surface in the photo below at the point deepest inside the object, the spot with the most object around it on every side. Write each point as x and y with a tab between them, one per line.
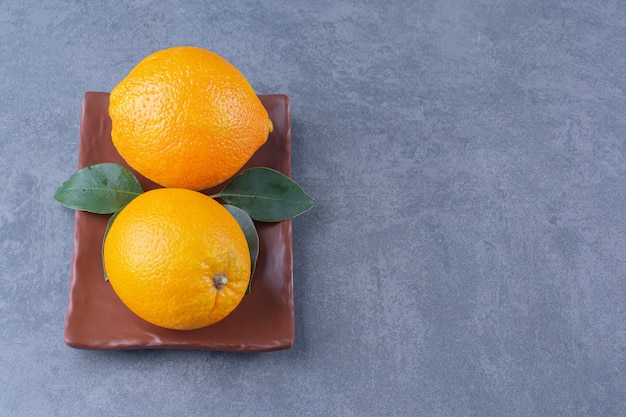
467	254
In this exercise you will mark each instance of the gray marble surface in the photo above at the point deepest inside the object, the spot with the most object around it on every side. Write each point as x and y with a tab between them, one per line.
467	253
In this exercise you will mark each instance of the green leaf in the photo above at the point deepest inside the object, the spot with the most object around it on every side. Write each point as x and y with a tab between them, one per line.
102	188
266	195
252	237
106	231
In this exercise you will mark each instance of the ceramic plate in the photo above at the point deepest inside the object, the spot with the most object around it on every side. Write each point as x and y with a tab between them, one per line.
97	319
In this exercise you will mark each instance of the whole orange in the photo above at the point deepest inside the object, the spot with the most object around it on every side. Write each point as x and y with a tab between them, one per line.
177	259
185	117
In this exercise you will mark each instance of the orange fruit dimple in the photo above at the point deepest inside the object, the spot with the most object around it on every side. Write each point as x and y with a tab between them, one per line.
177	259
185	117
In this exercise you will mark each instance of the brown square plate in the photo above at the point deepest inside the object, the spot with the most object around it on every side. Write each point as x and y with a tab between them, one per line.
97	319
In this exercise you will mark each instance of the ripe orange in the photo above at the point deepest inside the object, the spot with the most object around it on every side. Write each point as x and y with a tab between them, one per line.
185	117
177	259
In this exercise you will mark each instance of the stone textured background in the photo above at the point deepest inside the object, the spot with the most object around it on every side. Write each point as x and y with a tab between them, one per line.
467	254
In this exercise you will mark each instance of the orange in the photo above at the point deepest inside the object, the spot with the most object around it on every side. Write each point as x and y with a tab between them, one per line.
185	117
177	259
